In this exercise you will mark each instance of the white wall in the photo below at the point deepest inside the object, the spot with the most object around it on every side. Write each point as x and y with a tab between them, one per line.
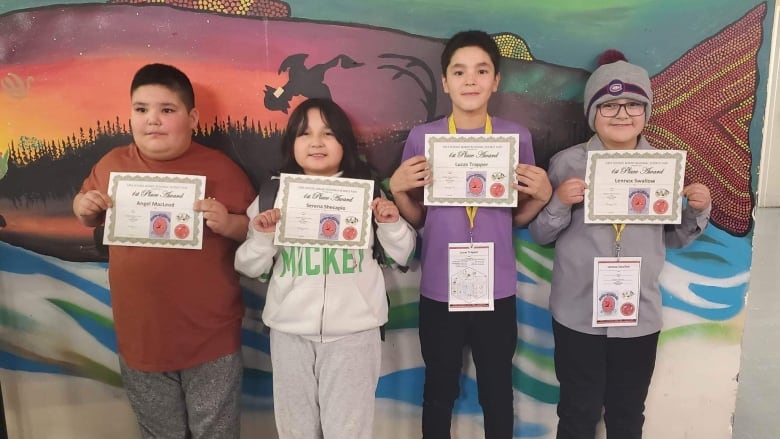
769	168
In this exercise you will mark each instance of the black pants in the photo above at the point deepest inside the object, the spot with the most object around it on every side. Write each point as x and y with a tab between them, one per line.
598	372
492	337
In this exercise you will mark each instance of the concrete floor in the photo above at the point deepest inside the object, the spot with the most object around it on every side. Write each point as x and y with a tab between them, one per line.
757	413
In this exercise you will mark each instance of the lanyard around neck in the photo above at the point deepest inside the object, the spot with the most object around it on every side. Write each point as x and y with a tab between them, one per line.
618	227
618	236
454	130
471	211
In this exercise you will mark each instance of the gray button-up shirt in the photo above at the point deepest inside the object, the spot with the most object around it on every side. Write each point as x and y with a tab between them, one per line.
577	243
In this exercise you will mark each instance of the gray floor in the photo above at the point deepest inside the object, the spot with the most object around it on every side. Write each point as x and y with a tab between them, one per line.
757	414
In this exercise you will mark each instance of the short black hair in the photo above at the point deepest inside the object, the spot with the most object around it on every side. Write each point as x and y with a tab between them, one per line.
166	76
469	38
352	165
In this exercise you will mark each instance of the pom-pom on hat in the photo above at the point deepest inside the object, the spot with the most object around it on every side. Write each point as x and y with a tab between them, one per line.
616	78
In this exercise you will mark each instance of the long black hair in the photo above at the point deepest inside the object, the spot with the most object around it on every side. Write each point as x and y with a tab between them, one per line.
352	165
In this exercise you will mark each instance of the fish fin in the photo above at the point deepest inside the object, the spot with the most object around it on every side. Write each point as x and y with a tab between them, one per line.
704	104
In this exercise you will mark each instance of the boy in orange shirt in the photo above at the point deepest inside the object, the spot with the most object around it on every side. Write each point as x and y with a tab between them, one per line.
177	312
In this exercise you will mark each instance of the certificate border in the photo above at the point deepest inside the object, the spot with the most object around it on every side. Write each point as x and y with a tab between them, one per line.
366	185
676	212
514	152
195	243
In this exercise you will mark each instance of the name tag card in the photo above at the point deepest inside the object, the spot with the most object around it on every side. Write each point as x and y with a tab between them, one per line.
471	276
616	291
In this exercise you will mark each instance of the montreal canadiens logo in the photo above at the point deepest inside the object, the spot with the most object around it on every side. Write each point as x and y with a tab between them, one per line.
616	87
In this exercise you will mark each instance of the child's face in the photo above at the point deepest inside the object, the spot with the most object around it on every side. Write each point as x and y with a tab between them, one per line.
316	150
621	130
162	126
470	80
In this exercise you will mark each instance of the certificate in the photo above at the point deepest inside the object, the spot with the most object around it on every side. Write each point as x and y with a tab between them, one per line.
634	187
329	212
154	210
471	169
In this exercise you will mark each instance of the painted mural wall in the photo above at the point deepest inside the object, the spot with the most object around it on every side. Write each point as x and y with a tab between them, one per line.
65	69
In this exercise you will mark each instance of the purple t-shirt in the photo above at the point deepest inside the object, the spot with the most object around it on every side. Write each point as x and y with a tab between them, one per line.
444	225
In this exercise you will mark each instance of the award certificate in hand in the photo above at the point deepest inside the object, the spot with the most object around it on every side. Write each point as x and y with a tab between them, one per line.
329	212
634	186
471	169
154	210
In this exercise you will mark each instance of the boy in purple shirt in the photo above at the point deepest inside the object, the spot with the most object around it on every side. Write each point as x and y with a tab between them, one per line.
470	65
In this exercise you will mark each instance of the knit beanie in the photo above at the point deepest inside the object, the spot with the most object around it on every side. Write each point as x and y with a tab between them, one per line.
614	79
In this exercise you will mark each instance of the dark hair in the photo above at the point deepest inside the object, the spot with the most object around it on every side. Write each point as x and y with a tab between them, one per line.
352	166
469	38
166	76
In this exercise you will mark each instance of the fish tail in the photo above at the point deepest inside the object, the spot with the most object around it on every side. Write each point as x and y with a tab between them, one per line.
703	103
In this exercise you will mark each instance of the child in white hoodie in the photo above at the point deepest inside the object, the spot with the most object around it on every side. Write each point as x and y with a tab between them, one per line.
324	306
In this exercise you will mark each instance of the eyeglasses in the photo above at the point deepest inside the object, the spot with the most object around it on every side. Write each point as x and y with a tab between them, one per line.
611	109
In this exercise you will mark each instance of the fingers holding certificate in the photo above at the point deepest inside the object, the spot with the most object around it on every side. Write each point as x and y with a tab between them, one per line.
265	222
330	212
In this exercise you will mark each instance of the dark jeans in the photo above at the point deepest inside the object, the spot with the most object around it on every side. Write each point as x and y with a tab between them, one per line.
598	372
492	337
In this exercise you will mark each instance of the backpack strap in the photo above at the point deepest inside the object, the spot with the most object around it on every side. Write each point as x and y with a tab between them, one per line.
267	193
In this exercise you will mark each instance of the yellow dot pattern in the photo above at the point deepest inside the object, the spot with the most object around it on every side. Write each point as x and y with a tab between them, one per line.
512	46
258	8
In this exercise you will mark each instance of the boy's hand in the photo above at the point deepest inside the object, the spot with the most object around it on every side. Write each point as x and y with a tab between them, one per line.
532	181
571	191
385	211
215	215
698	196
89	205
265	222
413	173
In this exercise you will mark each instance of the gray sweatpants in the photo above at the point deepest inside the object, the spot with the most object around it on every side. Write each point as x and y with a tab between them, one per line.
202	402
325	390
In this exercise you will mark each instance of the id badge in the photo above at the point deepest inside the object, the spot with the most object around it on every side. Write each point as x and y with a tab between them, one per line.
470	276
616	291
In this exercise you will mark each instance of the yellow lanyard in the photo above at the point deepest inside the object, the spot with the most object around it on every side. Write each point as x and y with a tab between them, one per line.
618	236
471	211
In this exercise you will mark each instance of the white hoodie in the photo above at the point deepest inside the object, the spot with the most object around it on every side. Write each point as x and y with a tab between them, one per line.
323	294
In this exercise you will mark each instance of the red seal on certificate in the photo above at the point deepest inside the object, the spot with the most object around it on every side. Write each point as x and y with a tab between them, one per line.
476	184
608	303
660	207
159	226
182	231
627	309
349	233
497	190
638	202
329	227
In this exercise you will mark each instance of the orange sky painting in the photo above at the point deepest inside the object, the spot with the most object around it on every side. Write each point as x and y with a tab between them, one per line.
59	101
58	77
